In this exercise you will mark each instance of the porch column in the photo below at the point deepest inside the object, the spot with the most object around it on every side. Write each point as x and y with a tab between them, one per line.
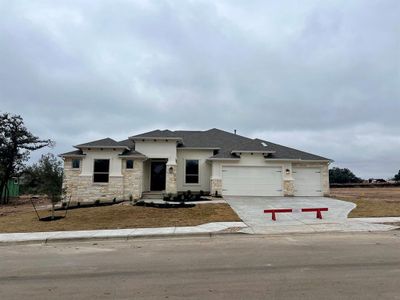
170	180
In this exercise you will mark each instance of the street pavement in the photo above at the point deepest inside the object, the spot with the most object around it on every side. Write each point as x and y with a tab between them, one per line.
317	266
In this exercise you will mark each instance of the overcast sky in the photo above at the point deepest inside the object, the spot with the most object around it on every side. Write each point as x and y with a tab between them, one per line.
321	76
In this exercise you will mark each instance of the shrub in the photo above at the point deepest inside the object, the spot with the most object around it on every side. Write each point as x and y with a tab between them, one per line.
97	202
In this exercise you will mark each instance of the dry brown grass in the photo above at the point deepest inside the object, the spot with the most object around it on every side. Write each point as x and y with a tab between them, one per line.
371	202
118	217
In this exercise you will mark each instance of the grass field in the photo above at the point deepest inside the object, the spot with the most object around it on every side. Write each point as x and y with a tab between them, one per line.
371	202
117	217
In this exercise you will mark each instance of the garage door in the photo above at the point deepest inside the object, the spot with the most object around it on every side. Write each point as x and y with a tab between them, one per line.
252	181
307	182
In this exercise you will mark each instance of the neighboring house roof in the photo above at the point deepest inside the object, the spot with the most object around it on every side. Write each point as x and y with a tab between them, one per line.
103	143
72	153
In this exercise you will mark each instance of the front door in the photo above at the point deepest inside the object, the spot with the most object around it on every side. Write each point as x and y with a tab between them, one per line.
157	177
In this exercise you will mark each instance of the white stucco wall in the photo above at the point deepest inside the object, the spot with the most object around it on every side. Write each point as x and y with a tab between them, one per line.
204	169
158	149
91	155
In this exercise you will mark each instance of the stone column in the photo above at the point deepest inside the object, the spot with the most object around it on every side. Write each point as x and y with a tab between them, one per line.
216	186
288	187
170	181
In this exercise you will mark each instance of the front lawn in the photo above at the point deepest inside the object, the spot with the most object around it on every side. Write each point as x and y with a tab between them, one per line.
119	216
371	202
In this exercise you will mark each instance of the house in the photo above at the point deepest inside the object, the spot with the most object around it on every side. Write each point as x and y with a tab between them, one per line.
212	161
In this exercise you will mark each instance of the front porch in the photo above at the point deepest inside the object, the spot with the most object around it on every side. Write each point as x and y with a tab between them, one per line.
159	176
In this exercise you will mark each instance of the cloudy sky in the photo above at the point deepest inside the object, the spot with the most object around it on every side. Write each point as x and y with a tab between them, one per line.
321	76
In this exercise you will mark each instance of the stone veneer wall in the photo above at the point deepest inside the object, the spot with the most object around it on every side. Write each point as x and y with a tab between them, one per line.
324	174
82	188
216	186
170	184
133	180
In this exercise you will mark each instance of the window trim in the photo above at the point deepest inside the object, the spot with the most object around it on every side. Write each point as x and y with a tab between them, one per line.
108	173
198	172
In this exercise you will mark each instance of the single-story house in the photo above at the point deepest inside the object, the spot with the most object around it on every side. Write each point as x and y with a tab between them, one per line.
212	161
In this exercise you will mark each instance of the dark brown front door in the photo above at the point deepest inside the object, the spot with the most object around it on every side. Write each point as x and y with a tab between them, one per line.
157	177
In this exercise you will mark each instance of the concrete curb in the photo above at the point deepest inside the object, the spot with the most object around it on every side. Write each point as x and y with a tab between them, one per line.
118	238
205	230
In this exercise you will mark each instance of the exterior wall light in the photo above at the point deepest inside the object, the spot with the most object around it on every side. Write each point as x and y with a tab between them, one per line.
171	170
287	171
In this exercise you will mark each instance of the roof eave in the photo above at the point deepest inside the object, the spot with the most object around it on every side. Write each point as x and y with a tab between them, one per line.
223	158
249	151
98	147
299	160
71	155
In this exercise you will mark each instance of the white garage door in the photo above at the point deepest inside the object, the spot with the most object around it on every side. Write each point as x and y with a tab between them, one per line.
307	182
252	181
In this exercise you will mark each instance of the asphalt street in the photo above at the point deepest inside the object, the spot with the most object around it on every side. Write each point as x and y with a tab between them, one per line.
313	266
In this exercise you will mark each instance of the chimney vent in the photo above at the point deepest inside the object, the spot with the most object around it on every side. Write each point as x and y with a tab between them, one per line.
234	131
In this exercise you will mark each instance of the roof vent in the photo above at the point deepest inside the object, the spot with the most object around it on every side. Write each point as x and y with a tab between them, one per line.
234	131
264	144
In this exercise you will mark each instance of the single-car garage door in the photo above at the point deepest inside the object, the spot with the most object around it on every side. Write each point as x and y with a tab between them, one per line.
251	181
307	182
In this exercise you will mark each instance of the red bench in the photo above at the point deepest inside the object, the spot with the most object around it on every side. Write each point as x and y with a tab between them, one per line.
317	210
275	211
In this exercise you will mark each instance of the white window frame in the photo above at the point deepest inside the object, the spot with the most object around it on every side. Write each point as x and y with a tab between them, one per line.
109	167
133	164
72	163
184	172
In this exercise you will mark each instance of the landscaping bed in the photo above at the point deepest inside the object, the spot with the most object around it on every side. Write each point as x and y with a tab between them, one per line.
119	216
371	202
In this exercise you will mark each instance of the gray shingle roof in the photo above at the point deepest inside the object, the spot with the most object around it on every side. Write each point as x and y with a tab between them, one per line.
158	134
73	153
226	142
132	153
222	141
107	142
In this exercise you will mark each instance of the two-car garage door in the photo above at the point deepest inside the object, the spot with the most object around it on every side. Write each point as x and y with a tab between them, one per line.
252	181
267	181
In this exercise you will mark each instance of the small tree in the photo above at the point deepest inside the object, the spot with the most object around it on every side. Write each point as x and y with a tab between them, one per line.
16	142
338	175
397	176
46	178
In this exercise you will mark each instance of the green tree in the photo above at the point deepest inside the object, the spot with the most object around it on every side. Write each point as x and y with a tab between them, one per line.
338	175
16	142
45	178
397	176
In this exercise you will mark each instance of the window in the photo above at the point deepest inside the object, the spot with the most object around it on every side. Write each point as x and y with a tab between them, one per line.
129	164
76	163
101	170
192	171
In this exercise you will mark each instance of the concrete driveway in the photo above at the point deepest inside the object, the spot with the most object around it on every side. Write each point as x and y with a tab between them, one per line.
251	211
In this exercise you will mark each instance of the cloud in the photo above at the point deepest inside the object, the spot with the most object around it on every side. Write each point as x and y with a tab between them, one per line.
321	76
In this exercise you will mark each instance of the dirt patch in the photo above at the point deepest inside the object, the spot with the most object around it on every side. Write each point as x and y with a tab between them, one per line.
22	204
371	202
119	217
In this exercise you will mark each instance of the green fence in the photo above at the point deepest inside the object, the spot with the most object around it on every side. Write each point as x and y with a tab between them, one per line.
13	188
